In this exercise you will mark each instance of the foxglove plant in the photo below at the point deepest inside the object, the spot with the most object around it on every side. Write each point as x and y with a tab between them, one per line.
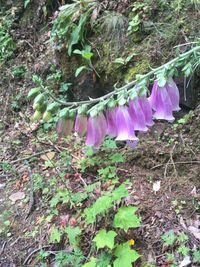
65	126
125	128
160	102
111	122
137	115
96	130
147	111
173	93
81	124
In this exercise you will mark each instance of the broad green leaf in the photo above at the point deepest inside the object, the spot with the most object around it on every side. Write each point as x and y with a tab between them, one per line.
119	193
196	255
104	259
117	158
77	32
126	218
87	55
55	235
79	70
169	238
91	263
33	93
101	205
125	256
73	234
105	239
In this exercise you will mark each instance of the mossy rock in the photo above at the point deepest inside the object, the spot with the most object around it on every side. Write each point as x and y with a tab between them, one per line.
140	68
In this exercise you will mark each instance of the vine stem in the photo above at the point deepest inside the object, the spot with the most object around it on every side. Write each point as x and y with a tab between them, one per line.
125	87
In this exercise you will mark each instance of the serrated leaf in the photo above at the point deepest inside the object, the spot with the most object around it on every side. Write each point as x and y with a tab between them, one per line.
101	205
105	239
55	235
73	234
91	263
126	218
125	255
119	193
117	158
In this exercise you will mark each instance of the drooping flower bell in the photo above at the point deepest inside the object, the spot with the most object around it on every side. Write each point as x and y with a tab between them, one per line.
173	93
161	103
137	115
96	130
111	122
65	126
125	129
81	124
147	111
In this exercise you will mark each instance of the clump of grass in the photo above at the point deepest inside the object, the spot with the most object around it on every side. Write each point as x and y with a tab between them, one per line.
114	27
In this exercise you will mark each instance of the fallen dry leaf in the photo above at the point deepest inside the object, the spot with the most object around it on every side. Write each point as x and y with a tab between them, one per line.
195	231
48	156
17	196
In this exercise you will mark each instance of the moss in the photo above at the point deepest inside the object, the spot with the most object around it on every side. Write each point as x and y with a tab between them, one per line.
139	68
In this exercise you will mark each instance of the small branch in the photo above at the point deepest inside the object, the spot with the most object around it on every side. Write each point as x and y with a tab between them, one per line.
32	156
31	200
178	162
33	252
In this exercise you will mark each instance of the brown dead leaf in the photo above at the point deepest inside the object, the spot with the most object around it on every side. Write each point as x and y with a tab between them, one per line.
48	156
17	196
18	185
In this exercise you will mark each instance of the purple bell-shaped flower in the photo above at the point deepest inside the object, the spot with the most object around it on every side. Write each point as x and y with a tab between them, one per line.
173	93
81	124
111	122
137	115
147	111
96	130
125	129
161	103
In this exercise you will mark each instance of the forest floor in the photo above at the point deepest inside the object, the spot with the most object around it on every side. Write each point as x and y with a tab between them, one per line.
169	154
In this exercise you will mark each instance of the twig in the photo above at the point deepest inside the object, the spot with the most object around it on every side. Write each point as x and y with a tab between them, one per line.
32	156
33	252
32	200
176	162
3	247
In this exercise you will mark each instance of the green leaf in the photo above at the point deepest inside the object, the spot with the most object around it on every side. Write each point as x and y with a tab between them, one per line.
91	263
125	218
105	239
55	235
161	80
73	234
117	158
183	250
26	2
125	256
169	238
33	93
79	70
109	144
196	255
101	205
119	193
87	55
119	60
76	34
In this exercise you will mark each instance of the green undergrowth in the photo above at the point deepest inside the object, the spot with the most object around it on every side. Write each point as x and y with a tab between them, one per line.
83	204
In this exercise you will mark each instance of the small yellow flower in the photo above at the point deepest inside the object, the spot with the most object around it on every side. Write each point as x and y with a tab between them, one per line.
131	242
